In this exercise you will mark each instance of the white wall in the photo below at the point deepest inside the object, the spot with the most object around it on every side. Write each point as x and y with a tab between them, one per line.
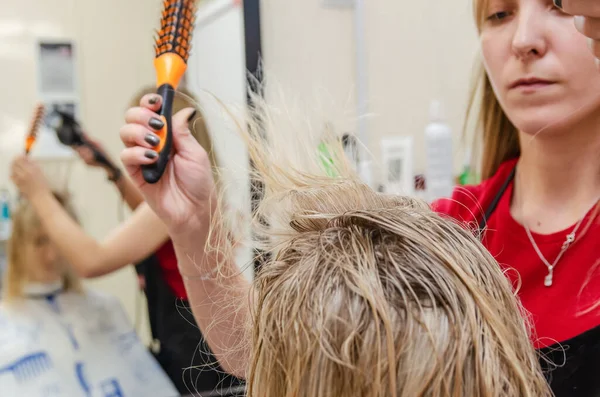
416	51
114	39
308	51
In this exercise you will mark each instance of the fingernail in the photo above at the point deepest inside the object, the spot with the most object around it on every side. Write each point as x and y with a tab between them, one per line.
155	123
153	100
579	22
558	3
192	115
151	154
152	139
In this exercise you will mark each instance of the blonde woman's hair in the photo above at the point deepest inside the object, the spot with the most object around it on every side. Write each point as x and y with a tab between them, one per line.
25	224
496	139
366	294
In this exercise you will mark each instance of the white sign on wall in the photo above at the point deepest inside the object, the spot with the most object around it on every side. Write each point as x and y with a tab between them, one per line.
57	89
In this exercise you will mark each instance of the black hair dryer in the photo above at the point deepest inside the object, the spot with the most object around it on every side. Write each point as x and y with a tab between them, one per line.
69	133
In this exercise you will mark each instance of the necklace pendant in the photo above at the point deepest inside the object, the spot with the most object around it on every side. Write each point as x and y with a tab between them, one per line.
548	280
570	238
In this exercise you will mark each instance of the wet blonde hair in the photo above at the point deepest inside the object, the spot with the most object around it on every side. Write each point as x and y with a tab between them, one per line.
497	139
366	294
25	225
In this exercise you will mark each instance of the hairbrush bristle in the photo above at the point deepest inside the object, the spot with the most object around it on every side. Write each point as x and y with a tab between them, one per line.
36	120
177	23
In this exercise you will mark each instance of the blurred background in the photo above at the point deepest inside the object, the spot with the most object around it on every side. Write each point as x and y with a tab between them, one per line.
385	61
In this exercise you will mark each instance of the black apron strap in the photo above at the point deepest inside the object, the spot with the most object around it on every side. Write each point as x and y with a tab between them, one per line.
492	207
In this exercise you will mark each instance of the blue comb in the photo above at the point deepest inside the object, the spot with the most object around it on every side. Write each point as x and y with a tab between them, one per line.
29	367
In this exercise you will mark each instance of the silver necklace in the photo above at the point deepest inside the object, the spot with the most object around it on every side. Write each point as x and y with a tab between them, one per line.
569	239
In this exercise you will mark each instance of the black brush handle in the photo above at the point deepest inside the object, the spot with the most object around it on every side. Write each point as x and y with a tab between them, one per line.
100	158
153	172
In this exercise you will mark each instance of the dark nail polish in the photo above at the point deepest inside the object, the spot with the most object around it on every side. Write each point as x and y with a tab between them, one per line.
153	100
151	154
558	3
192	116
155	123
152	139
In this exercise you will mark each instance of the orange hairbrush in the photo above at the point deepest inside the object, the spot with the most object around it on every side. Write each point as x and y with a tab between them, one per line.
36	120
172	52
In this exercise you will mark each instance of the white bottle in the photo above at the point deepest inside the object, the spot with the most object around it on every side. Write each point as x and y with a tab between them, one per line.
397	165
440	166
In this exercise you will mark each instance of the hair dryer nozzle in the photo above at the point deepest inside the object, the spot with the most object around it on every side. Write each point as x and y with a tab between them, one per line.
67	129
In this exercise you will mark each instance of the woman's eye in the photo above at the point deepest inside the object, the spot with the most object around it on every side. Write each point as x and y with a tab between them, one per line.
498	16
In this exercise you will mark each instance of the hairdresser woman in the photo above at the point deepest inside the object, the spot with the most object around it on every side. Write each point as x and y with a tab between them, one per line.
143	237
538	204
541	118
